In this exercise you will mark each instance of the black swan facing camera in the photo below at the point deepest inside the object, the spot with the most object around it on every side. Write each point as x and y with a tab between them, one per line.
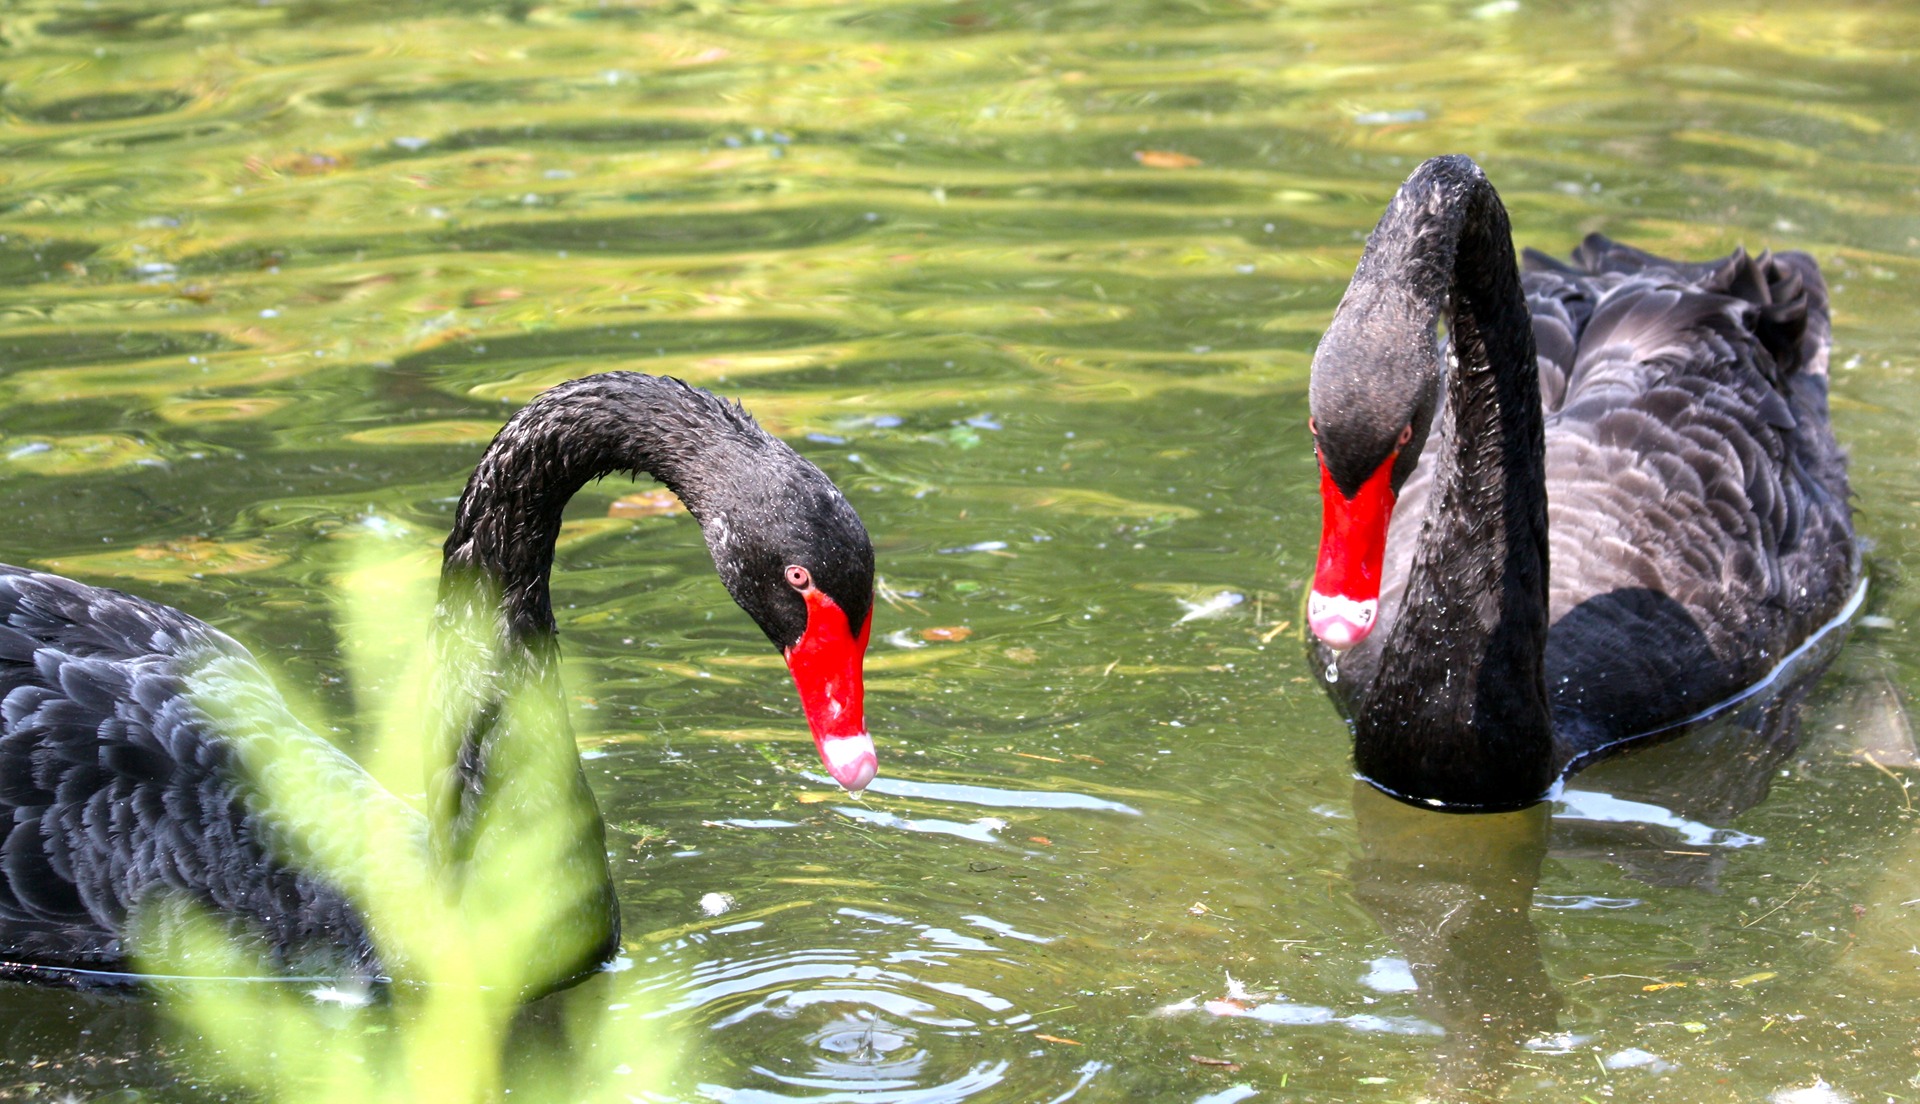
1607	502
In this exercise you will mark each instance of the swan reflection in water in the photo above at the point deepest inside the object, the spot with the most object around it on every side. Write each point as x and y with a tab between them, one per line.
1456	892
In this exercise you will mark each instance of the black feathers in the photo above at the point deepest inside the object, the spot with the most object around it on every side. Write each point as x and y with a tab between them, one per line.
1692	457
114	787
1697	526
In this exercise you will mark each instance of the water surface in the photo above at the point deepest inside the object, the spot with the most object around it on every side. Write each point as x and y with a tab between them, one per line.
1038	285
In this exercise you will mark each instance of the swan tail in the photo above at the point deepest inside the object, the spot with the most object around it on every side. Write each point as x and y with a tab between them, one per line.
1794	323
1783	294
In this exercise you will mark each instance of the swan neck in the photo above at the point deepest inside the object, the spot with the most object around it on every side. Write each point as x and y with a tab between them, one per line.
497	689
1460	710
509	518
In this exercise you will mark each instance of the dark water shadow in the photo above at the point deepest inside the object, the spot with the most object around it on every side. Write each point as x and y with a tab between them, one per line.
1455	891
29	260
84	1043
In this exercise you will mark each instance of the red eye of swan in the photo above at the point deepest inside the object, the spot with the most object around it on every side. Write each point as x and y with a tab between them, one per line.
798	577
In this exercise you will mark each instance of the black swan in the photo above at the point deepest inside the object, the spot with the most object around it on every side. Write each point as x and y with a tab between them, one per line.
1655	431
118	787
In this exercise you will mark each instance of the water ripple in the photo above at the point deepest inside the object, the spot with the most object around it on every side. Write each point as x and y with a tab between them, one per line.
882	1018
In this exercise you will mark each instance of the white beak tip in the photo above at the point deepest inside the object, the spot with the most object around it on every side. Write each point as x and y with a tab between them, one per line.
851	760
1340	623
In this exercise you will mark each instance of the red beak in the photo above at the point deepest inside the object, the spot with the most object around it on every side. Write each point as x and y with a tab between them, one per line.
1353	544
826	670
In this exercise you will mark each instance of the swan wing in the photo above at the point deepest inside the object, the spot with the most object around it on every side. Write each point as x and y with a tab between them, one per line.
117	790
1699	524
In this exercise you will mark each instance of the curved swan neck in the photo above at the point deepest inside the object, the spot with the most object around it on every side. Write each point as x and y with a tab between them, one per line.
1459	709
502	730
1445	244
509	517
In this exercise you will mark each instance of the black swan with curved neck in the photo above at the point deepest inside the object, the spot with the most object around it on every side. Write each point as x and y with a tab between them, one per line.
1609	501
119	788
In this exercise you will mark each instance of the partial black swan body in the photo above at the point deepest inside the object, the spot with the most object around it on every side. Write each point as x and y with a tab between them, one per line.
119	791
1608	501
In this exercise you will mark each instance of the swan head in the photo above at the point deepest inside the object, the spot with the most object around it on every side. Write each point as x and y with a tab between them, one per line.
1374	386
826	664
795	556
791	551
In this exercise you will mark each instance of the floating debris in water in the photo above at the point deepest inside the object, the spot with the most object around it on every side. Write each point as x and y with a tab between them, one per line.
1386	118
714	904
1212	607
1817	1093
1635	1058
1056	1039
1166	159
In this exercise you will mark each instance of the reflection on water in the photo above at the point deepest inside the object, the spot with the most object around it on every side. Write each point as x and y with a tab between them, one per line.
1038	285
1459	898
995	796
1601	808
1456	893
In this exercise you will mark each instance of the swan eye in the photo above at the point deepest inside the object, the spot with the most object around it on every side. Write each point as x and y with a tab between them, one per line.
1406	435
798	577
1313	426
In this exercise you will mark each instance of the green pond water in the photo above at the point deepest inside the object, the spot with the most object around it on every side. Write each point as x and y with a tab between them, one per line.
1037	284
